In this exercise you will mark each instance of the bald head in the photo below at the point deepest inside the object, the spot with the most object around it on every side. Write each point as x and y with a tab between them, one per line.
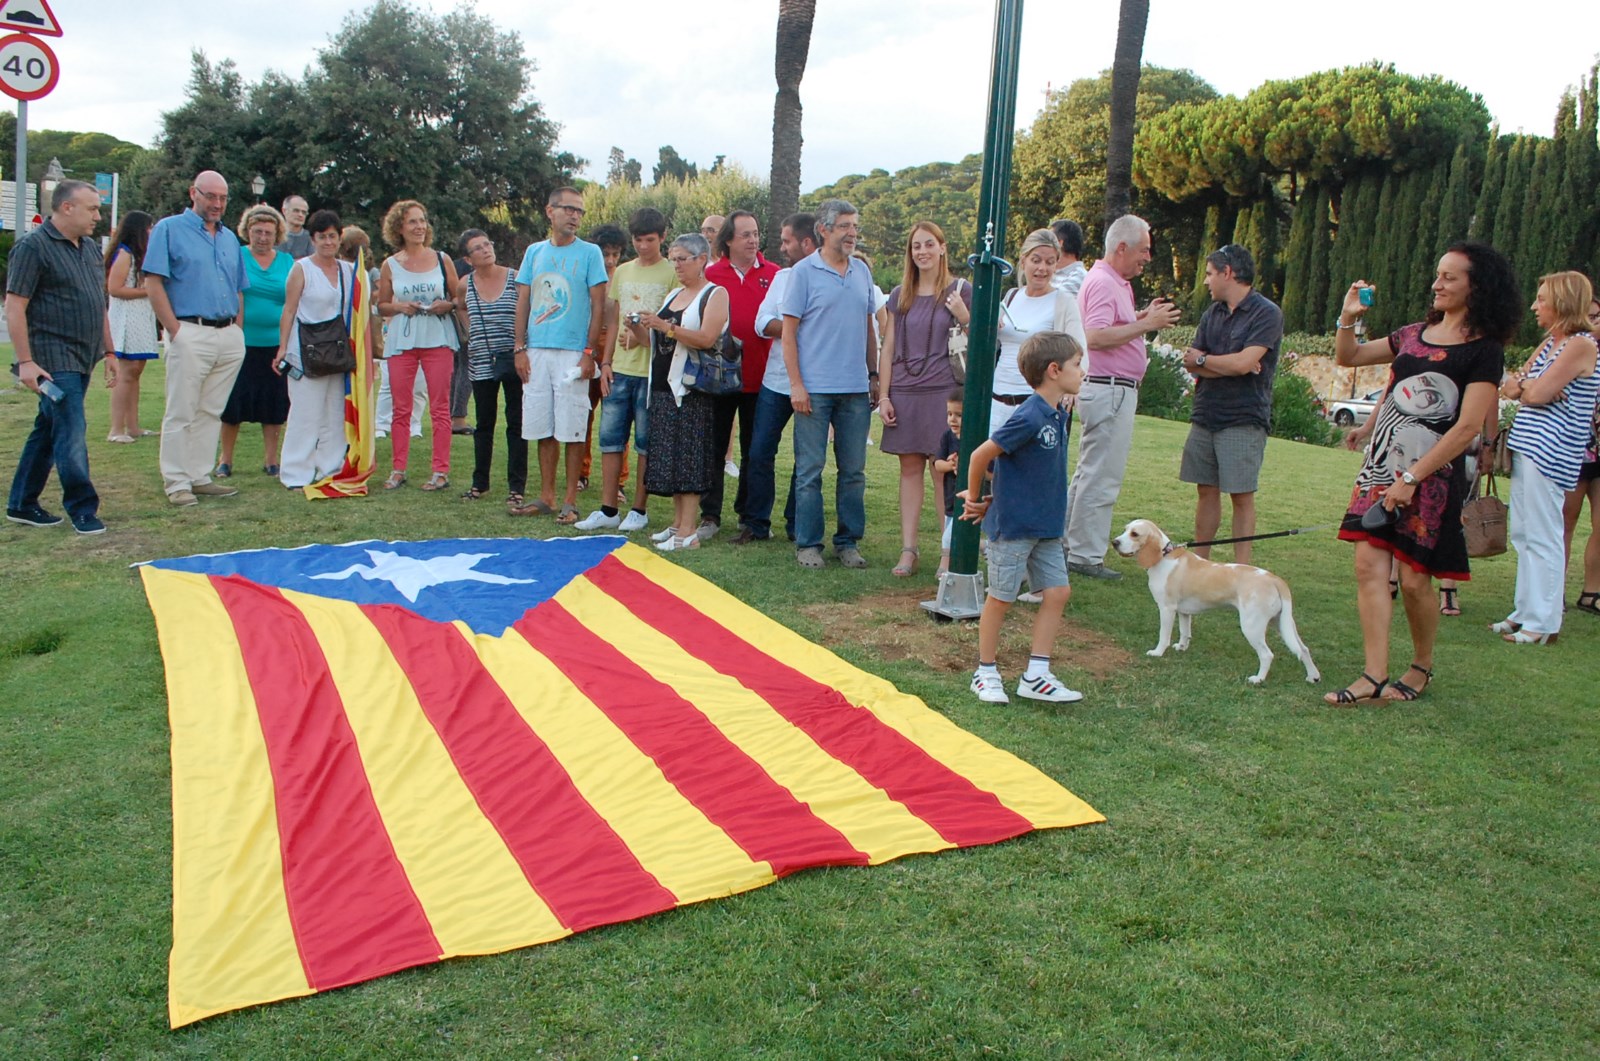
209	196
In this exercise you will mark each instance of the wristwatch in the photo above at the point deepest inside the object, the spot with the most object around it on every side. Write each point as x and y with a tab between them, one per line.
1200	362
1407	478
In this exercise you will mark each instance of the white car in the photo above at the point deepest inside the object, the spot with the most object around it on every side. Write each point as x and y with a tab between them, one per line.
1353	411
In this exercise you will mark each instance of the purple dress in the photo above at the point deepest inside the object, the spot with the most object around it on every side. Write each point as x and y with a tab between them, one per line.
922	379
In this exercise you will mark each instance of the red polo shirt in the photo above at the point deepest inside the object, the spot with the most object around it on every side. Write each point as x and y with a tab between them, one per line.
744	299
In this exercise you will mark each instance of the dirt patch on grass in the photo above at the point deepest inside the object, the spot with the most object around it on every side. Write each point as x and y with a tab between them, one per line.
892	625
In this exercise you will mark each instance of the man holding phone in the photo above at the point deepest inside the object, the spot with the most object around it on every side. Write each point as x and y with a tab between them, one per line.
56	311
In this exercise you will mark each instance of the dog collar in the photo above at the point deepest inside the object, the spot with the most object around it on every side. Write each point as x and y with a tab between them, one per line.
1169	547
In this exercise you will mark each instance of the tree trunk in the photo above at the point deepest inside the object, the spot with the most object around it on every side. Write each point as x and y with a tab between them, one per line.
1124	93
793	47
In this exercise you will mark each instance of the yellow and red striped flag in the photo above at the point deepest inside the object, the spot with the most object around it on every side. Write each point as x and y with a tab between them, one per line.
389	753
360	441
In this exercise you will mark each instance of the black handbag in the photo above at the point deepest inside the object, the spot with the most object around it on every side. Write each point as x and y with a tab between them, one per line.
325	347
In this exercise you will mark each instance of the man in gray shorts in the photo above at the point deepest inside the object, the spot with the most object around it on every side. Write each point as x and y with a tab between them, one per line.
1234	356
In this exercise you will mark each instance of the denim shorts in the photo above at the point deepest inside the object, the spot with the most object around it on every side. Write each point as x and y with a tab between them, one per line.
629	400
1040	560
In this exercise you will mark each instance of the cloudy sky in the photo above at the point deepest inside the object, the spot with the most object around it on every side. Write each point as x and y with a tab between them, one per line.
890	83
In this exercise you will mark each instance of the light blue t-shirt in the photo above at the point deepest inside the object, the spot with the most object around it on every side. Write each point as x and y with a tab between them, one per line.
203	270
558	280
834	314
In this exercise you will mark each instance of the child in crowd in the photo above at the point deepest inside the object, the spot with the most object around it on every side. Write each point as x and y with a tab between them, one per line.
1024	515
950	448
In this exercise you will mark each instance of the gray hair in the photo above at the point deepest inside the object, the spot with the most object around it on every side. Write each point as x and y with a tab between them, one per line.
1125	230
828	213
66	190
694	243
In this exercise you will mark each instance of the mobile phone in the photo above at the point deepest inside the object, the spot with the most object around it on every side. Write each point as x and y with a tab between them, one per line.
48	388
1366	295
294	373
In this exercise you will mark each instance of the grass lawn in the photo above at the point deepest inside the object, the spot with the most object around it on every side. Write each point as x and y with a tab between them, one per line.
1276	879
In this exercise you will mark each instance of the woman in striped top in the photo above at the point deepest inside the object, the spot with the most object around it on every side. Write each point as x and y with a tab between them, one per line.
1557	390
486	303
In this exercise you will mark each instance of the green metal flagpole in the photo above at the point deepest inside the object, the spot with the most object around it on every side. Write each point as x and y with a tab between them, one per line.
961	591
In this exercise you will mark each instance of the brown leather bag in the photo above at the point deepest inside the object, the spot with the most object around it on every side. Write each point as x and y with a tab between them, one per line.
1484	520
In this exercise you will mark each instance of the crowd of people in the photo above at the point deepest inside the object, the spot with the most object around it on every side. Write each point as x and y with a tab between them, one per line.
576	336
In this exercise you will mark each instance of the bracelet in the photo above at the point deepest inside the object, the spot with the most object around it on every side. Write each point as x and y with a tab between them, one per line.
1342	327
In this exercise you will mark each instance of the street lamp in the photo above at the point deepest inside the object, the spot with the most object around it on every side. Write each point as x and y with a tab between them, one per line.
257	186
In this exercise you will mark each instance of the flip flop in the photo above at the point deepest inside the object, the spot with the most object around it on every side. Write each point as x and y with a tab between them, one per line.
536	507
568	516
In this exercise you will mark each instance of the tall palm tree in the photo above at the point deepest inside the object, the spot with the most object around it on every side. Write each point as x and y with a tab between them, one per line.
1135	15
794	46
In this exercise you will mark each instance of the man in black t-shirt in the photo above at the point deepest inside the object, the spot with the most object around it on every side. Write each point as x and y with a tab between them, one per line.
1233	359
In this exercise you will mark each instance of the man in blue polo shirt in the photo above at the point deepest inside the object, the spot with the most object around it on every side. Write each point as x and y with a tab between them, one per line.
831	356
194	272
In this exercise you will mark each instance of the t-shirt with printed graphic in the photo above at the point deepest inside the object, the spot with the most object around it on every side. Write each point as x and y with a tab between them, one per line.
558	280
637	289
1030	476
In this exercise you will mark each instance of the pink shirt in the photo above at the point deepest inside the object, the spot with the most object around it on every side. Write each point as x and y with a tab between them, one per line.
1105	301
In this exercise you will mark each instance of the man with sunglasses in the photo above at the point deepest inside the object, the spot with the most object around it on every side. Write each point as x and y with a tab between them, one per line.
1233	359
194	272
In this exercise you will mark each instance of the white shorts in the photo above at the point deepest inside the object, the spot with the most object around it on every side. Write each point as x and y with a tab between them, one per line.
552	407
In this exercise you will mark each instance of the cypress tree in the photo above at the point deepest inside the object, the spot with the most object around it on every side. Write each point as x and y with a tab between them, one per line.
1455	216
1353	249
1210	240
1318	257
1537	201
1297	263
1423	260
1508	214
1381	254
1494	176
1400	277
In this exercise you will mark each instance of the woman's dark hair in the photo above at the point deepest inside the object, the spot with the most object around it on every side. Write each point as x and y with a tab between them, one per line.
1494	302
134	234
322	221
468	236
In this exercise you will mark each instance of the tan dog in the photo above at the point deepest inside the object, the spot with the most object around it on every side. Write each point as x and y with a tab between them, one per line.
1184	584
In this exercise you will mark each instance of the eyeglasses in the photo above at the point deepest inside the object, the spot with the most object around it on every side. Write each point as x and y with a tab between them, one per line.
576	211
217	198
679	261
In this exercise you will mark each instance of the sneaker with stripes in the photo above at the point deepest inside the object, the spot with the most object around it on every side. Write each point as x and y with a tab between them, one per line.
1047	687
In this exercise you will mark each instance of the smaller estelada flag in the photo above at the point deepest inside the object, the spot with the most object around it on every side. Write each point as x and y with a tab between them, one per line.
388	753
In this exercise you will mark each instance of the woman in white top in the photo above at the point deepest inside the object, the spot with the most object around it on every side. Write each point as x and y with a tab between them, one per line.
133	322
319	288
417	287
1034	306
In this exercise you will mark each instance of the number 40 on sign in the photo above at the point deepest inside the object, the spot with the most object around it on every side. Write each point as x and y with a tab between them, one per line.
28	68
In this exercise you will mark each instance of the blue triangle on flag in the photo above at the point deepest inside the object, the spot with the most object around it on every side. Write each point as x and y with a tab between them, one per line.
487	583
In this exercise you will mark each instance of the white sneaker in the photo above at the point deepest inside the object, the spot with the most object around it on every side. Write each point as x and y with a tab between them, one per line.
730	469
634	521
662	535
1047	687
991	689
597	520
674	543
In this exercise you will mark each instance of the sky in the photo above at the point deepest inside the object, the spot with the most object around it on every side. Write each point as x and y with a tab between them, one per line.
890	83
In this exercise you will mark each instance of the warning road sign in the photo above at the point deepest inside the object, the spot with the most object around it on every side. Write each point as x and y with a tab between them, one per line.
29	16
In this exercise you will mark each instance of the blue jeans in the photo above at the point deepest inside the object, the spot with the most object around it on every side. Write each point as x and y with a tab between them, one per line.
58	438
850	415
758	477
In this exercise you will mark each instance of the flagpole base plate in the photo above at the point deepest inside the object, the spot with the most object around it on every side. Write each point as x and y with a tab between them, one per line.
960	597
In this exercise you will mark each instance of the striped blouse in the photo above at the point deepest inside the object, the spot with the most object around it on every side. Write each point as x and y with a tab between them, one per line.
492	329
1555	436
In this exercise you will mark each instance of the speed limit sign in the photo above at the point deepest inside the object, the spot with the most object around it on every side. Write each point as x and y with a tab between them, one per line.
28	68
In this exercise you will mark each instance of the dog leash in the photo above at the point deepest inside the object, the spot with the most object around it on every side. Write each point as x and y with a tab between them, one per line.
1261	537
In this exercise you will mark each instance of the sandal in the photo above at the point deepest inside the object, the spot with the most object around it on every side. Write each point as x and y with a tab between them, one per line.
1504	626
1588	602
536	507
568	516
436	481
395	480
1447	602
472	494
1394	588
514	499
903	569
1528	637
1402	691
1347	696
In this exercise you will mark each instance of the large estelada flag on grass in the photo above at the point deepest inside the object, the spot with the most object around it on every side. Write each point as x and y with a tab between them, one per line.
360	440
388	753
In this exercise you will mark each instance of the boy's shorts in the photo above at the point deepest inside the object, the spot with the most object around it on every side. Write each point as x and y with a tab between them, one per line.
1041	561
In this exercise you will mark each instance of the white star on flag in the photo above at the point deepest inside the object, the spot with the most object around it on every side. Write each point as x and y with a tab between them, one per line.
410	575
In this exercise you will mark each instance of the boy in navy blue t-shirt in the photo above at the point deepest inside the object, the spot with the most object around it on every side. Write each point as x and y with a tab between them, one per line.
1024	515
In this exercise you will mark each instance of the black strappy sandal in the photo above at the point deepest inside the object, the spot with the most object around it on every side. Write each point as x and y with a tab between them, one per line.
1588	602
1448	605
1346	697
1407	693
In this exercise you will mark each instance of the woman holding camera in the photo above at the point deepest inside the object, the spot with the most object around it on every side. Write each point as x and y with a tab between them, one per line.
1557	390
1408	495
684	462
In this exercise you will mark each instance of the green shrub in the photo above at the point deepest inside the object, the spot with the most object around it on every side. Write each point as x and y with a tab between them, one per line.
684	202
1296	413
1167	390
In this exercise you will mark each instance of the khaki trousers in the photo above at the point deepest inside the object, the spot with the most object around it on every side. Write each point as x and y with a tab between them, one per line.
1105	415
202	364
